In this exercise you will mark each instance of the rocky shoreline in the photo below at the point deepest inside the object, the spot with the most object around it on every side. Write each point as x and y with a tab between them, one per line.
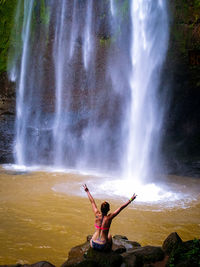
126	253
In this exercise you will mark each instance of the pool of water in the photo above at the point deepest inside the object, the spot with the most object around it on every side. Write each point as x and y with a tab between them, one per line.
45	213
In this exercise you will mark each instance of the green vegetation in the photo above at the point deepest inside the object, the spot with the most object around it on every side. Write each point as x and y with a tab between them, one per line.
7	8
11	39
44	13
41	14
188	252
185	26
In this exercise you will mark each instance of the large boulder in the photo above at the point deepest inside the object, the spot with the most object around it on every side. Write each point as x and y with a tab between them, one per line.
104	259
76	254
142	256
171	242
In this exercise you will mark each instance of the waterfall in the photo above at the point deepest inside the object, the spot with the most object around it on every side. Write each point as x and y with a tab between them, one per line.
87	78
145	116
20	115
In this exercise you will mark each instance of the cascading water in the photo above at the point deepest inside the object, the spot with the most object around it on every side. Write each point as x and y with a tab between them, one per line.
21	76
88	85
148	49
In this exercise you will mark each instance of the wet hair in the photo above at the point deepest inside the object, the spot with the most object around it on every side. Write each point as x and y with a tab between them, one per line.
105	207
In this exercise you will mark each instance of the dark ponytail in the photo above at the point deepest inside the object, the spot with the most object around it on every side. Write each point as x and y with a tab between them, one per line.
105	207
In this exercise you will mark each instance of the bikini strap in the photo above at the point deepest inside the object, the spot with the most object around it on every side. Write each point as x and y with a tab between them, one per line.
101	228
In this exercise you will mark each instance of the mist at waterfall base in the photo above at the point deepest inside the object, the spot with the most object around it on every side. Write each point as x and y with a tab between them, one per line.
88	95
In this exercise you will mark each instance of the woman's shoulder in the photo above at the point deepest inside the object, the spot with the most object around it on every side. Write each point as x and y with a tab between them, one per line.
110	216
98	214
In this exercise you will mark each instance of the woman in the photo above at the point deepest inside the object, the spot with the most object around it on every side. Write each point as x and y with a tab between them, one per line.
101	238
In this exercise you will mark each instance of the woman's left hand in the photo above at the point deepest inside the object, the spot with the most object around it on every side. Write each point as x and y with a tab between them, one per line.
85	188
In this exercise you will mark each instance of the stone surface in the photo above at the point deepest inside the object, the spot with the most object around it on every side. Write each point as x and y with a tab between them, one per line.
120	237
182	84
7	123
129	259
76	255
118	249
145	255
7	119
37	264
124	253
104	259
121	241
172	241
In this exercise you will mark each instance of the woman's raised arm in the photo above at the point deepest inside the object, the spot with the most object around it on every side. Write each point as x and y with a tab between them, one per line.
94	206
115	213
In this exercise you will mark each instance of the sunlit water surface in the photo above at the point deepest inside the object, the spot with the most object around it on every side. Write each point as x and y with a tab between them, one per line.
45	213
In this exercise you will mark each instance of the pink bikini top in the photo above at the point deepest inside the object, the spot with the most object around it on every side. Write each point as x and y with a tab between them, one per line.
101	228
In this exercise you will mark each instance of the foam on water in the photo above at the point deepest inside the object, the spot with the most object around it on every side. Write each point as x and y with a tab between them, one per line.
168	195
152	196
155	196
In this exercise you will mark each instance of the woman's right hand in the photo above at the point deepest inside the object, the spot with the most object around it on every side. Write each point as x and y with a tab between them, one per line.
133	197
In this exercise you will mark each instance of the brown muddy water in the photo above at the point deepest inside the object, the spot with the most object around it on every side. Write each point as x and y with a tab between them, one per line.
44	214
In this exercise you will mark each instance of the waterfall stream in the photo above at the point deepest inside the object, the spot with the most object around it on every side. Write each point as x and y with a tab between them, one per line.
87	78
145	118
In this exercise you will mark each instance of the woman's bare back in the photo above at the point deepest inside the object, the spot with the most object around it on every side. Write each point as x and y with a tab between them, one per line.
102	226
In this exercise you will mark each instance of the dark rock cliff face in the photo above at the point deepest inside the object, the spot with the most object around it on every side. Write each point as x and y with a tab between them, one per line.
7	119
7	89
182	71
181	131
